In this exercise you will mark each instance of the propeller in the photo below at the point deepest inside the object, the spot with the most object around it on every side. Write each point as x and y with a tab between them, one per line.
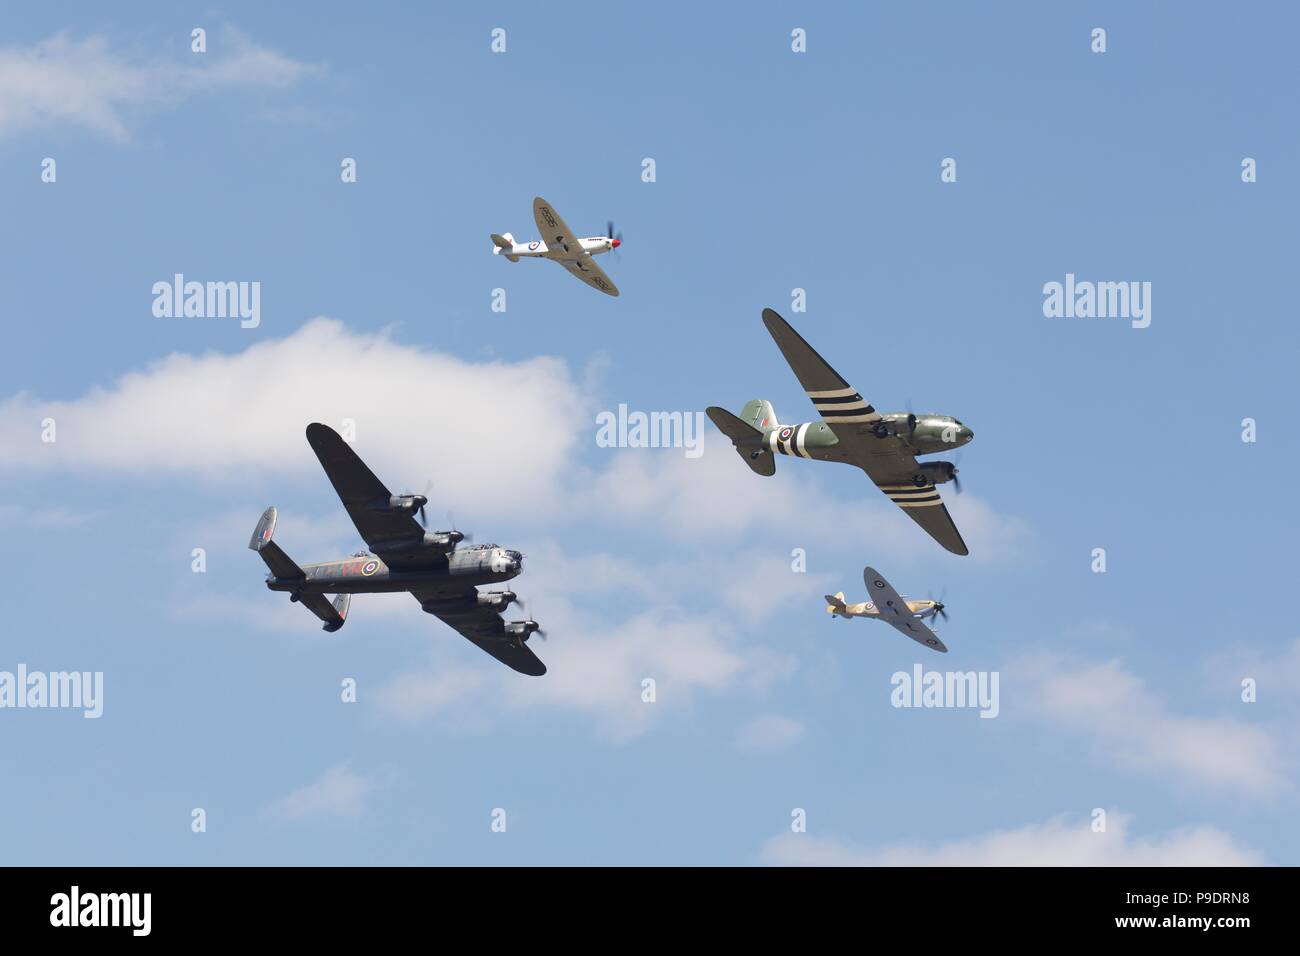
539	632
451	521
424	499
956	482
939	606
615	239
911	419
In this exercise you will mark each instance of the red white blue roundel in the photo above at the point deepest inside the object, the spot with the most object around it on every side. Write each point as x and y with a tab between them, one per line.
532	246
786	433
370	567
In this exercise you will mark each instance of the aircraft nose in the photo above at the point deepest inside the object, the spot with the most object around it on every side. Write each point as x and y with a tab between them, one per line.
615	243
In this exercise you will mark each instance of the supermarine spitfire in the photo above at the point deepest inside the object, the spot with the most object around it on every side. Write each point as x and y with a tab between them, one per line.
403	556
559	244
886	605
885	446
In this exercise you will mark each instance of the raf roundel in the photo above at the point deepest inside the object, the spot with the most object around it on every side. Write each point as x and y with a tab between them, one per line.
369	568
786	433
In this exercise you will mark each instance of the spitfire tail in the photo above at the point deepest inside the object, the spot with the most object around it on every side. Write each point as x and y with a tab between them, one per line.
759	413
835	603
503	244
747	439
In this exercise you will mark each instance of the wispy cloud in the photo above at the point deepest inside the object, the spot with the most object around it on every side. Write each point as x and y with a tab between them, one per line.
1057	842
1134	727
339	791
88	83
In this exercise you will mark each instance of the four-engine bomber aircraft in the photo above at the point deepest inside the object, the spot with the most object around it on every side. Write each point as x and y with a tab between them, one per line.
887	606
403	556
559	244
884	446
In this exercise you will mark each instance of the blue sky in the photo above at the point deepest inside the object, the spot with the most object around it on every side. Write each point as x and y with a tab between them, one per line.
775	171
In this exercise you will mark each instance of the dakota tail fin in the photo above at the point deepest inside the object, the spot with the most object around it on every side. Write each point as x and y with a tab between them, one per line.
747	439
759	413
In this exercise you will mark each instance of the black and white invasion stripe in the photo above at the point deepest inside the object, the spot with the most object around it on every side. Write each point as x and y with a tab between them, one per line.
789	440
844	405
910	496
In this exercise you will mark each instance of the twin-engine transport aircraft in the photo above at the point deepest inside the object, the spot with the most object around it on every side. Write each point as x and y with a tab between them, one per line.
403	556
887	606
559	244
884	446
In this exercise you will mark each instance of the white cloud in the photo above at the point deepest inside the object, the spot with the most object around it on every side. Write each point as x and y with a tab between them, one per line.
87	83
1276	673
227	417
595	666
1057	842
337	792
770	732
1133	726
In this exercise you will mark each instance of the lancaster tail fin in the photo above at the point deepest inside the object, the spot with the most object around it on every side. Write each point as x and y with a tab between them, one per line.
281	565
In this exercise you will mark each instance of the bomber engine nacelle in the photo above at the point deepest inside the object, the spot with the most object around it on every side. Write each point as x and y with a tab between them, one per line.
939	471
498	600
400	504
442	539
522	629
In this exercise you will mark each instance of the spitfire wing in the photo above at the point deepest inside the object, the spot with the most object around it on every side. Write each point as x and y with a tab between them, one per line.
585	268
852	419
482	625
555	232
359	489
895	611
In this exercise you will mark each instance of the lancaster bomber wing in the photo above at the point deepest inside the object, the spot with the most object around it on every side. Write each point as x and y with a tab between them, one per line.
482	625
362	494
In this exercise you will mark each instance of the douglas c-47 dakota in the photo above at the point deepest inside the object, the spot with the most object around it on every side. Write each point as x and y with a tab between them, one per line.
403	556
885	446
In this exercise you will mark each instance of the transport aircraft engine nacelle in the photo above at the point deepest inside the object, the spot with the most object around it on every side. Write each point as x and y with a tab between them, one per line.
939	471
